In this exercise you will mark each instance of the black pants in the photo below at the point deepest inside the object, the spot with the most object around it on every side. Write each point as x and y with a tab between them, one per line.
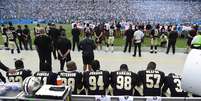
62	62
128	44
75	41
22	42
137	45
171	44
45	58
55	49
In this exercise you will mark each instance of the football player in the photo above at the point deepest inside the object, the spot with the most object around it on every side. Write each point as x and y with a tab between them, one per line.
71	77
46	76
173	83
96	82
20	73
151	80
123	81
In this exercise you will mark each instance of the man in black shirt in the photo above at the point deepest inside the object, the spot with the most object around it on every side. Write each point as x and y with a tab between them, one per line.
26	32
129	36
76	36
96	82
172	38
54	34
151	80
21	37
64	48
123	81
87	46
72	78
43	47
20	73
4	35
173	83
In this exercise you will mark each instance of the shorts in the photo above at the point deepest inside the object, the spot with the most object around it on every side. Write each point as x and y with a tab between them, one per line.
88	59
110	40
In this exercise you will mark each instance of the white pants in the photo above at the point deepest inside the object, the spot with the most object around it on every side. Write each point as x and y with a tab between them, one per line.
110	40
11	44
4	38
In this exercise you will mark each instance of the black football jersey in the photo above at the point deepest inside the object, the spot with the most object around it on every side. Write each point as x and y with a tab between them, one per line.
152	81
18	76
123	82
46	77
96	83
173	83
73	79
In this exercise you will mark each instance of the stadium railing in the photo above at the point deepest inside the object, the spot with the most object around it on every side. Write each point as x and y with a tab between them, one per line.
116	98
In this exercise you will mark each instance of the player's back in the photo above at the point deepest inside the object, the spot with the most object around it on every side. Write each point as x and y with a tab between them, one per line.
152	81
46	77
96	83
19	75
123	82
73	79
173	83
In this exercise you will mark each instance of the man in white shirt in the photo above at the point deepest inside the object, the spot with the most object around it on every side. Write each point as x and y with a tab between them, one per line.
137	40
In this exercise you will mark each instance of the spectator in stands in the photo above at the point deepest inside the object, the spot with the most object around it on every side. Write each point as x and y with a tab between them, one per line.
137	40
43	45
87	46
121	78
64	48
21	38
151	80
27	36
129	36
96	82
76	36
72	77
172	38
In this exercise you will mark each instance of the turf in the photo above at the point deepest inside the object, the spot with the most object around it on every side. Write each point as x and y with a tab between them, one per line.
181	43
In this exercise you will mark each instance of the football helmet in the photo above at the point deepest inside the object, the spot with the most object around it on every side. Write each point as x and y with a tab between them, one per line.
31	85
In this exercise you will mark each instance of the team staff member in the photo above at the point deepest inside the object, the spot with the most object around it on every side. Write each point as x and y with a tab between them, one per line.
4	35
137	38
196	42
172	38
64	48
76	36
44	47
87	46
26	32
21	37
129	36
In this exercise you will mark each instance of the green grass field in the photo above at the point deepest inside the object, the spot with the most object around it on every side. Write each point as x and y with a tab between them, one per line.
181	43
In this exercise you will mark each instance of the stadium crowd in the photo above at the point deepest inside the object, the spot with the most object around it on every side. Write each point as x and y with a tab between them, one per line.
101	10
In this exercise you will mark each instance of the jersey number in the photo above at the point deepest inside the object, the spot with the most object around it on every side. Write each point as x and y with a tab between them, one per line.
69	82
152	80
43	79
96	82
16	79
124	82
178	85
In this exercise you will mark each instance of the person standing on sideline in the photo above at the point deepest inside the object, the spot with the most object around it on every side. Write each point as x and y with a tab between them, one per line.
27	33
4	35
76	36
129	36
154	39
137	40
196	42
21	37
192	33
110	41
64	48
43	45
87	46
172	38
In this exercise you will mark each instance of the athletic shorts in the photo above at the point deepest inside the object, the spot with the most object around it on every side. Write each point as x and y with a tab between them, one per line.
88	59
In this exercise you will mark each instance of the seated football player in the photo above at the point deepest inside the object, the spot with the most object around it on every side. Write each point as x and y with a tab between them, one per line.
20	73
123	81
71	77
46	76
151	80
173	85
97	81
